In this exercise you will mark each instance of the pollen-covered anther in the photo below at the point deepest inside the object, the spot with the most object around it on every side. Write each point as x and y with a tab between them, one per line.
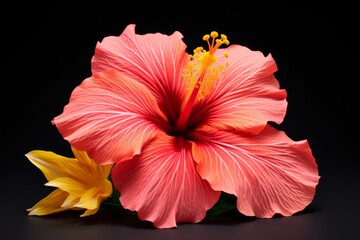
202	74
204	69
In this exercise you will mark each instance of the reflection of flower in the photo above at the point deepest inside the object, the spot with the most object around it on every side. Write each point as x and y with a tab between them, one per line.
182	128
80	182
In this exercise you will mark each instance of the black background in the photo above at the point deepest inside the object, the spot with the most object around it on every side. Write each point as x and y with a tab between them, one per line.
46	52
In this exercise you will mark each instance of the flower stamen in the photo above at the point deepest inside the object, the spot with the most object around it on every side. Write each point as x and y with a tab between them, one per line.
202	73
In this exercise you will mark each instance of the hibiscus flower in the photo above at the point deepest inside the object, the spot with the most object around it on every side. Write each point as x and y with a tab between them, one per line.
80	183
182	128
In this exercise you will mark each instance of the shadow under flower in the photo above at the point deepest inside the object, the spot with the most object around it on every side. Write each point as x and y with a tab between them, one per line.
130	219
234	217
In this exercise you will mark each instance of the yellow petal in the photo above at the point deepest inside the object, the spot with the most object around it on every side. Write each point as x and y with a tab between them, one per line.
83	158
93	197
81	183
89	169
69	185
89	212
70	201
89	199
52	165
50	204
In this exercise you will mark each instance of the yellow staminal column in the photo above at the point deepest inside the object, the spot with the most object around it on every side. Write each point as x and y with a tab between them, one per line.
202	74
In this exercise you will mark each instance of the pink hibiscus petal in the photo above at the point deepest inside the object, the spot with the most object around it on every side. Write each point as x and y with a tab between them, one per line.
110	117
162	185
268	173
247	97
156	60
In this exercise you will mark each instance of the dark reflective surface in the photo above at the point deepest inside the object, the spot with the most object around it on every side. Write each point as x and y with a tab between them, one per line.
332	215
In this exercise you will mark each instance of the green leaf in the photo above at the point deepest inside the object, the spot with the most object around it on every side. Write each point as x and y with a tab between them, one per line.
114	204
226	203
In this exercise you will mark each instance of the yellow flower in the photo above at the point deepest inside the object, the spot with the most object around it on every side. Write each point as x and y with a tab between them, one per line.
80	182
